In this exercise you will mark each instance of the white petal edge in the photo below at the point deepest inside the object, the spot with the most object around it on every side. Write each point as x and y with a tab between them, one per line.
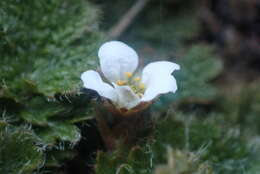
159	85
126	98
92	80
116	58
158	79
159	68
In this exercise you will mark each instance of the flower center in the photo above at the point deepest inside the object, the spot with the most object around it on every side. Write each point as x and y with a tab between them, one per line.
134	82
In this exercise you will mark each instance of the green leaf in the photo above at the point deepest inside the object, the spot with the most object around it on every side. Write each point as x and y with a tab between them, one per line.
183	162
39	109
53	51
125	161
198	66
18	152
201	63
59	132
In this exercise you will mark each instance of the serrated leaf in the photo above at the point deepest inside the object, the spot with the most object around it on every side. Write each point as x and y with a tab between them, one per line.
198	66
39	109
18	152
200	63
59	132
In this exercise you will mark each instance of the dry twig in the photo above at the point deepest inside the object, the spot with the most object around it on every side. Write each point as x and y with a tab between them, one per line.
127	19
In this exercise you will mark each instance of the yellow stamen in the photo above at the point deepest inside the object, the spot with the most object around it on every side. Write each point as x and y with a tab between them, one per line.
137	79
141	86
128	74
140	95
121	82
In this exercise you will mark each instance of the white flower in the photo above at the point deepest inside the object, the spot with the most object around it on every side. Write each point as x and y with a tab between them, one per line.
126	90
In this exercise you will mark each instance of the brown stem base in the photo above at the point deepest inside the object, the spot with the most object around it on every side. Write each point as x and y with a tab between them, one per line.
117	127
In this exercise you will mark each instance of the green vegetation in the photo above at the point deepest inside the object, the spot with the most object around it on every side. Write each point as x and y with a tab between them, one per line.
47	122
45	46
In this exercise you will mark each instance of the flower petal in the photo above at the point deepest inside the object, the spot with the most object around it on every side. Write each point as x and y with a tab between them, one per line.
158	79
126	98
159	68
92	80
159	85
116	58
